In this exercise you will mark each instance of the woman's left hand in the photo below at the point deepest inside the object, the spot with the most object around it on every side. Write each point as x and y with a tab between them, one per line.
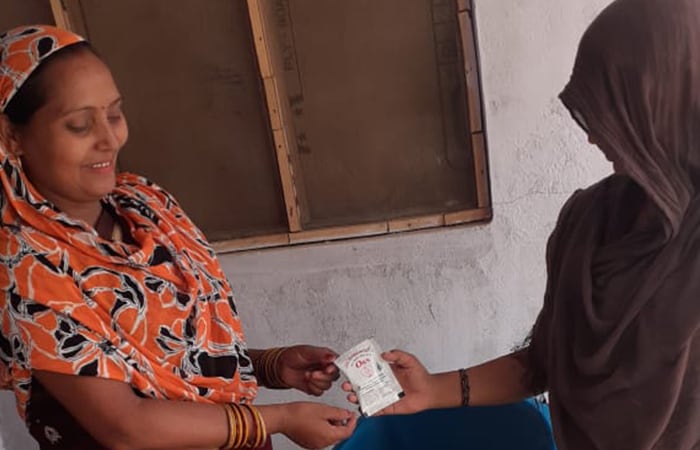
309	369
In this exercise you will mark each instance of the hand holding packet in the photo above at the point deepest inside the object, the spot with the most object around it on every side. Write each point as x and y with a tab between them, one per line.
371	377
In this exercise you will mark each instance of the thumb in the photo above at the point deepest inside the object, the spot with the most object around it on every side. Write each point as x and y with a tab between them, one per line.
331	369
320	354
401	359
345	429
332	413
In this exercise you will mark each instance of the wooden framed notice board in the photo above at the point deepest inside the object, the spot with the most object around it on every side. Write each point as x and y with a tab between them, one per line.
278	122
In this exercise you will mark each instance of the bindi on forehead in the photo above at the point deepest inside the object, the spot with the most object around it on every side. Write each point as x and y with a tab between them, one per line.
93	108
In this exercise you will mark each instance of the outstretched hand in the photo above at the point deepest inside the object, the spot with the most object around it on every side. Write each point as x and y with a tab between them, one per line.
314	425
414	379
309	369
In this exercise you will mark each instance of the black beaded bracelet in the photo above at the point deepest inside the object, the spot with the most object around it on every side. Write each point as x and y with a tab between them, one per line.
464	382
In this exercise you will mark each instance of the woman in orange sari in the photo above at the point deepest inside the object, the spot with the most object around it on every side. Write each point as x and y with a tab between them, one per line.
118	327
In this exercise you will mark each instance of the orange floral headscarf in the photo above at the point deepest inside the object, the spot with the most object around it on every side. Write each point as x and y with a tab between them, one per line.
157	314
22	50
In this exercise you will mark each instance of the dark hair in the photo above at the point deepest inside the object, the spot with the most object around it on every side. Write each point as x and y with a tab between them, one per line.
32	94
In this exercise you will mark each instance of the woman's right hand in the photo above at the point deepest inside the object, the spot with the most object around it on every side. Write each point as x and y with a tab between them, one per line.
416	381
315	425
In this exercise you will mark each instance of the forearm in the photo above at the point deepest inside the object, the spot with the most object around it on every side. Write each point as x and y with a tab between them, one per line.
111	412
162	424
502	380
499	381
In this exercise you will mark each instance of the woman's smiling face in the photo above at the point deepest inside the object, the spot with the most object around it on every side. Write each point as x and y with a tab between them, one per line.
69	147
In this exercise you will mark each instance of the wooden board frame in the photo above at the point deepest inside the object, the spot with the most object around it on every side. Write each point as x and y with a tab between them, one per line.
67	14
433	221
464	5
278	109
60	15
472	72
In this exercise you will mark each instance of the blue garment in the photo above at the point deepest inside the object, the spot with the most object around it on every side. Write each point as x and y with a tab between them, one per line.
522	426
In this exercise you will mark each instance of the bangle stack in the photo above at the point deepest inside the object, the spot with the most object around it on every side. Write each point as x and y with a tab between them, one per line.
268	370
464	383
241	432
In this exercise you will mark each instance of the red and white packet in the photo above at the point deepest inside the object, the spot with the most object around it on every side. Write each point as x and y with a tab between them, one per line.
371	377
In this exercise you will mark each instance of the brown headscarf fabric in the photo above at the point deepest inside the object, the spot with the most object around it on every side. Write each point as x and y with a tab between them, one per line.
618	338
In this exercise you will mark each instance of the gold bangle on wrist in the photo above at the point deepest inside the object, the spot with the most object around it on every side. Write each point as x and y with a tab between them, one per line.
242	436
231	420
260	430
268	370
240	427
263	427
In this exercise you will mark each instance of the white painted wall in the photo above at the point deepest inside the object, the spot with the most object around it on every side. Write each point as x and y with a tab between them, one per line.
455	296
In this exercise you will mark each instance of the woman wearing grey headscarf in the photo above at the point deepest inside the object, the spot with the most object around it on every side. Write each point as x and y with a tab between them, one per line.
617	343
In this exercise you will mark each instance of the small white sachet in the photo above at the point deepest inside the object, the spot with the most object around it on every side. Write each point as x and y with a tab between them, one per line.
371	377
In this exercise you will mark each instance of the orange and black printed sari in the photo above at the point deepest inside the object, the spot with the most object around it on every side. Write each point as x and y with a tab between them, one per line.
156	312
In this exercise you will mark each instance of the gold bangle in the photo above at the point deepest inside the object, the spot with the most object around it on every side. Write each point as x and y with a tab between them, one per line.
268	371
261	369
260	431
255	421
276	376
263	425
269	367
242	430
246	436
240	426
230	419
